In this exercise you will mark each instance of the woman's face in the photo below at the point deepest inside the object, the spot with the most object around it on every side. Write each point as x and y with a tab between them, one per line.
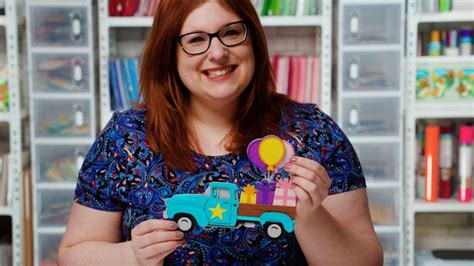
218	76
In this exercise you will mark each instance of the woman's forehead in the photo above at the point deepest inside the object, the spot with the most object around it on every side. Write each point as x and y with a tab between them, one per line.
208	17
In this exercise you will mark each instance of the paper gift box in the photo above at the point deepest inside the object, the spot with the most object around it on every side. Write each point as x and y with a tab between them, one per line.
265	192
248	195
284	194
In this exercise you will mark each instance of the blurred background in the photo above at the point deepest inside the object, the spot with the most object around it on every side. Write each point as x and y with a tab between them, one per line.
397	76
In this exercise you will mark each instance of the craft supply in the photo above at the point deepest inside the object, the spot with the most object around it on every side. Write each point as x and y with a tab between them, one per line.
434	47
431	162
465	164
445	162
465	42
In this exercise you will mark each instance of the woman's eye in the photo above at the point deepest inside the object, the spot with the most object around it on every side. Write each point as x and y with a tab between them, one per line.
196	40
230	33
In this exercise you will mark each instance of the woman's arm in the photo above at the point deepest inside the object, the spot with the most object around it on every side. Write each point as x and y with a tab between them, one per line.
93	238
334	230
340	232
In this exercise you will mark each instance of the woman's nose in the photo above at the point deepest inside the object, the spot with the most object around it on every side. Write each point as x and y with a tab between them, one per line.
217	51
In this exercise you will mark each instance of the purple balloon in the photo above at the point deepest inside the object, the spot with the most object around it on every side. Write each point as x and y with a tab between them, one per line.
252	153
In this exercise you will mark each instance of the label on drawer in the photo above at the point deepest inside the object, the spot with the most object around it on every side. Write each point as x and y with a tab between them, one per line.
76	27
79	117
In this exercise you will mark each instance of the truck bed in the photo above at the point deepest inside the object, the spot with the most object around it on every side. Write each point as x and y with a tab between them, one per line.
257	209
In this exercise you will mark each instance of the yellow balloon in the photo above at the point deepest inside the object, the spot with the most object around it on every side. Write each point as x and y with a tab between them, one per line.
271	151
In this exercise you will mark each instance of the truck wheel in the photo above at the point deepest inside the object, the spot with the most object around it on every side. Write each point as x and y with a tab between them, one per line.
185	222
274	230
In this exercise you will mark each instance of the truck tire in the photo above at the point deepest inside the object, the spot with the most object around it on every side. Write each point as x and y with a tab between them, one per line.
274	230
185	222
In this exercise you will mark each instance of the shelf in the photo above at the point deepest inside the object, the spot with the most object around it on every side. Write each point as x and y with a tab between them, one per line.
6	116
51	230
387	228
443	205
3	21
444	110
461	59
382	184
276	21
5	211
55	186
62	95
454	16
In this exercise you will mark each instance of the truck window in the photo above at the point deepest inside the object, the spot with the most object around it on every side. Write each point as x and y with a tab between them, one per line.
208	191
224	194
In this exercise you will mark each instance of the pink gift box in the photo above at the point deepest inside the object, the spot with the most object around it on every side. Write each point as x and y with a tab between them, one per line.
284	194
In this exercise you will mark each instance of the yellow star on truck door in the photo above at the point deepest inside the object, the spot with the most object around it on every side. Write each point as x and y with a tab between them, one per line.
217	211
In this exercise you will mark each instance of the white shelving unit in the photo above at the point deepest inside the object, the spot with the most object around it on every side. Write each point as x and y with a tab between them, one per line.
11	22
319	26
370	60
62	112
428	110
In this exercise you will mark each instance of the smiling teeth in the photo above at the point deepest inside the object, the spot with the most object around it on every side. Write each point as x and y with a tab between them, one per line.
217	73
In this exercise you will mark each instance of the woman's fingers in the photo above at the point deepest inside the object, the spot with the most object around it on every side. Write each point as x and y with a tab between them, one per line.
308	169
310	188
158	237
160	249
153	225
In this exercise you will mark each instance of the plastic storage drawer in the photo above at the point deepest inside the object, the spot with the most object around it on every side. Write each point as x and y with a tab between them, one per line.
65	118
59	163
379	161
391	246
54	207
48	249
384	205
61	73
59	26
371	71
371	116
371	24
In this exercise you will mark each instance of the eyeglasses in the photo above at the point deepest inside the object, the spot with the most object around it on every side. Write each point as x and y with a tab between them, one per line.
230	35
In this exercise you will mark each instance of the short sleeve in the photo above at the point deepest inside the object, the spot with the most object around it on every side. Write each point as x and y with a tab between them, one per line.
338	156
100	172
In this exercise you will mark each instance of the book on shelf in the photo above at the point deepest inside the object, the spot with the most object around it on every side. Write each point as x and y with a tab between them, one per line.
123	77
297	77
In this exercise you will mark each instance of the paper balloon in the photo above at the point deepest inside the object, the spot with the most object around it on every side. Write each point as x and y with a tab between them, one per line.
271	151
289	152
254	157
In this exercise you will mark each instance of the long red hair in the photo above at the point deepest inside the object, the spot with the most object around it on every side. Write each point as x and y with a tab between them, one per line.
166	99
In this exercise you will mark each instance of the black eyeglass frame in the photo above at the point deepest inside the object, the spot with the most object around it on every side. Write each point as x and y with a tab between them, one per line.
212	35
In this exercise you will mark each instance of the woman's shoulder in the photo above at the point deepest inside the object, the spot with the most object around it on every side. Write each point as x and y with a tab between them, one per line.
309	114
130	119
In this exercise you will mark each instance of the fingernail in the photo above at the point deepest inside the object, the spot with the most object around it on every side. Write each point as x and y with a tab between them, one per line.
174	225
287	167
293	159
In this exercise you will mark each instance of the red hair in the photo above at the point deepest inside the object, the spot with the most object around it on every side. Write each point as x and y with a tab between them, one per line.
166	99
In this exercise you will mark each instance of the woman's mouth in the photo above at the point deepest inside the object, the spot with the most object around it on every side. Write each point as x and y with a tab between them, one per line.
220	72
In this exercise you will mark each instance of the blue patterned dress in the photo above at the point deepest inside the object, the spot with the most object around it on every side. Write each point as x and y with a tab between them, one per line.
121	173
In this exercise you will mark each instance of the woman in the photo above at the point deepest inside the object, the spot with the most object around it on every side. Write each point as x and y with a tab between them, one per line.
208	90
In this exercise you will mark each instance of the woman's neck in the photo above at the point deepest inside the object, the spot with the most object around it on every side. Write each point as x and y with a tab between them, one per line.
211	126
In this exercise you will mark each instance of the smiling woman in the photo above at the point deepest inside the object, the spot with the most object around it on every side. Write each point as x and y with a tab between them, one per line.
208	91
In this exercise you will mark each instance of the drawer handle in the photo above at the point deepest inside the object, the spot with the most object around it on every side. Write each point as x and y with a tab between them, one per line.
354	25
353	117
79	161
77	72
354	71
79	115
76	29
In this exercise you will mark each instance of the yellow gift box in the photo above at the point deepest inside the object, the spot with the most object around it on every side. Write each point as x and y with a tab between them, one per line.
248	195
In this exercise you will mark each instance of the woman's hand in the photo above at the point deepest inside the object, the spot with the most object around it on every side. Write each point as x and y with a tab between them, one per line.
153	240
311	186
